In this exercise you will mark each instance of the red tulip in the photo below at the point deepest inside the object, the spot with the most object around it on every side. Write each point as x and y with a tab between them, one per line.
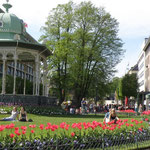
49	124
52	129
72	134
16	128
131	125
46	128
32	126
41	126
2	127
127	124
11	135
17	132
23	132
12	125
23	127
32	131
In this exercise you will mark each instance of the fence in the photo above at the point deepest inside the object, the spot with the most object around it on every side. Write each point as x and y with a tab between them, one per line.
122	142
27	99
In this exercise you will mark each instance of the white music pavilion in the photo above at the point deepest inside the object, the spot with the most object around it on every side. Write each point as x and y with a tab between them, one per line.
20	54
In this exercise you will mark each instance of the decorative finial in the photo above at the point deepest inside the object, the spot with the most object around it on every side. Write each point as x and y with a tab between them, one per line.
7	6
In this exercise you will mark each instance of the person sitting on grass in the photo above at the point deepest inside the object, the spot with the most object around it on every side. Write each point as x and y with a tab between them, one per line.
23	115
14	115
106	118
113	116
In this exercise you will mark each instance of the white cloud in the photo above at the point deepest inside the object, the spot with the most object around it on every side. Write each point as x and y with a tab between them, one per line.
132	15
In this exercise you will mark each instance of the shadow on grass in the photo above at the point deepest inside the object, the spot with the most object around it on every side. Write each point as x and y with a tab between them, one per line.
75	116
85	116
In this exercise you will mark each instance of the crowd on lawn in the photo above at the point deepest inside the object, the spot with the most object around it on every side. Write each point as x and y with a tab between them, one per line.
87	108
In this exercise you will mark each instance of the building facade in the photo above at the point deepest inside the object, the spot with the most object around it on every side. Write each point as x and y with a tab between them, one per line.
146	50
141	69
20	54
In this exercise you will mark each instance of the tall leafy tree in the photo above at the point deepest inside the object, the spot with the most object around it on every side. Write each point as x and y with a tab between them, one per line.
58	37
85	45
113	86
98	47
129	85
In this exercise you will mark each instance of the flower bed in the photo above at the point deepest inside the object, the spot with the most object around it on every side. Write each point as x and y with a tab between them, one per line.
77	135
127	111
146	116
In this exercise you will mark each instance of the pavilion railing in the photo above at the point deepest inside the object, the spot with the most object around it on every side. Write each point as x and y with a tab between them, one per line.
27	99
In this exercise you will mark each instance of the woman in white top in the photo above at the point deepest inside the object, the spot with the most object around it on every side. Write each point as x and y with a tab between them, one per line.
14	115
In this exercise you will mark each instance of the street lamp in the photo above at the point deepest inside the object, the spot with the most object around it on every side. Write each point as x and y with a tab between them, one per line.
147	101
96	99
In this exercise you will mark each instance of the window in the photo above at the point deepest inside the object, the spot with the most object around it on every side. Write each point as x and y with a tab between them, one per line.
141	83
1	24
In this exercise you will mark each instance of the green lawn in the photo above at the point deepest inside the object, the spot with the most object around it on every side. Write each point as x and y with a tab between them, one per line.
57	119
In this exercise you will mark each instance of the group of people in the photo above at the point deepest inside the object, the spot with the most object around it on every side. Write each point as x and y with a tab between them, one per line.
110	116
22	116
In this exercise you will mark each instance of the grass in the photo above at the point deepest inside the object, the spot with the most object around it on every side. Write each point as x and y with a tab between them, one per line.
56	119
69	119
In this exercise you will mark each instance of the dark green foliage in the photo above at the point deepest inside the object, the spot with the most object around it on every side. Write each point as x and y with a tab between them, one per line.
19	85
129	85
113	87
29	87
9	84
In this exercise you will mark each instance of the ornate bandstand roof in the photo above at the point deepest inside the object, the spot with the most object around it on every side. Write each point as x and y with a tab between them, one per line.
13	30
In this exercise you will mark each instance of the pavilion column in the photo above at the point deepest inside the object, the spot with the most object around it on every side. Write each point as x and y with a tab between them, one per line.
39	79
37	74
44	78
4	76
25	77
46	81
33	79
46	90
15	61
43	83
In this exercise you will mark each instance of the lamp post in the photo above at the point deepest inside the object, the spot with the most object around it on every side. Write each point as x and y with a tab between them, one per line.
96	98
147	101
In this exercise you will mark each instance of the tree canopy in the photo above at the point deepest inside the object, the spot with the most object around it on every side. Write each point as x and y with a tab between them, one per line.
86	48
129	85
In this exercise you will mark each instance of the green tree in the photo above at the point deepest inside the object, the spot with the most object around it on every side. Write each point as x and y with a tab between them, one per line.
85	46
98	48
129	85
58	34
113	86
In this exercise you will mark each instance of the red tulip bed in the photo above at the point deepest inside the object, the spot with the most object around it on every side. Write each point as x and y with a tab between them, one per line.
146	116
81	135
127	111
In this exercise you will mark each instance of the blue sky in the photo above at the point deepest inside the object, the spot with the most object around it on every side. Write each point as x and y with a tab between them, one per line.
132	15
